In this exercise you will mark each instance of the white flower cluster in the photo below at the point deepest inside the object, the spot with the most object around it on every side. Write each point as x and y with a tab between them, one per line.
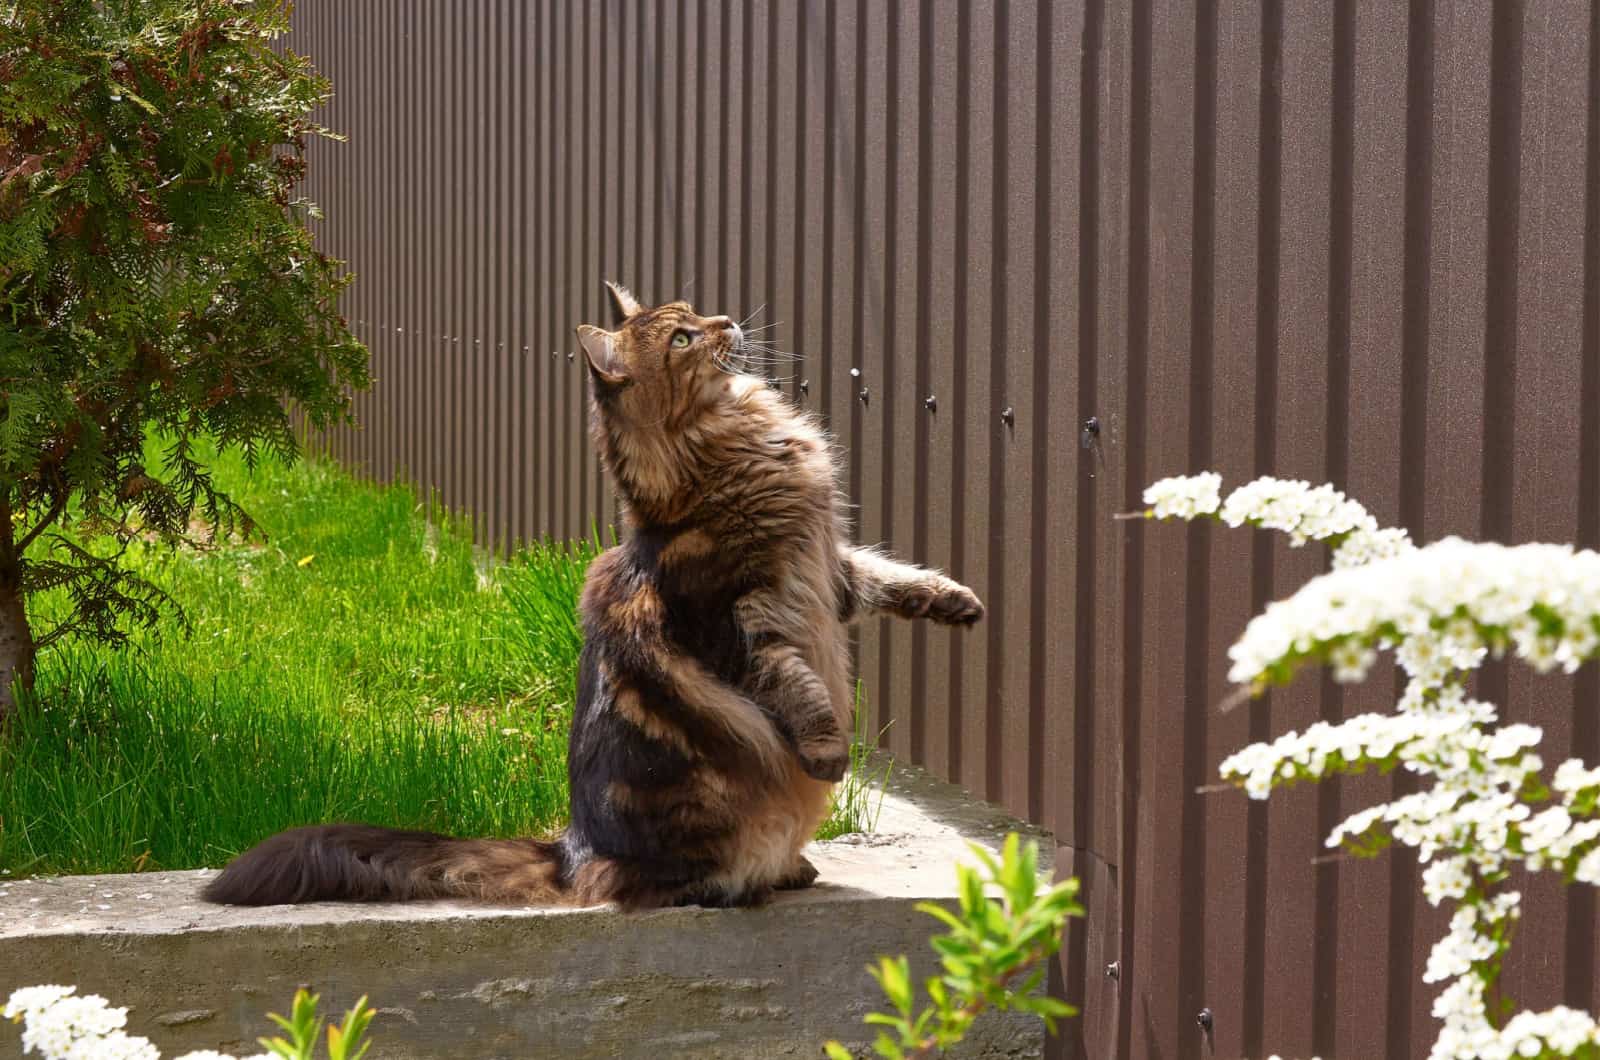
1304	512
1353	743
1468	944
1365	546
1561	1032
1301	510
1185	496
1468	1033
1443	606
1442	610
61	1026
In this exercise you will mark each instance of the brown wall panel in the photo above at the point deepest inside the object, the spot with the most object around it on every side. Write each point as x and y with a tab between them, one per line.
979	398
1538	388
1233	167
932	405
1374	319
1161	305
1300	408
896	395
1354	242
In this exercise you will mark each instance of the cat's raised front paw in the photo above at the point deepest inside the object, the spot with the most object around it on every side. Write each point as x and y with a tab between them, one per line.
955	605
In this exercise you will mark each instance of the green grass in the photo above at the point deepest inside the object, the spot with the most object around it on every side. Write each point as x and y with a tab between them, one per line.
858	799
363	663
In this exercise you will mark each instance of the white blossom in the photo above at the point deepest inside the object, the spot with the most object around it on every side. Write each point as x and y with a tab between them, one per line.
1365	546
59	1025
1446	878
1573	776
1302	511
1483	806
1561	1030
114	1046
1446	603
1184	496
34	999
1588	869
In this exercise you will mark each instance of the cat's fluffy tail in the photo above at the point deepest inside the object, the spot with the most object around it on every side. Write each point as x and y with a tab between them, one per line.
362	863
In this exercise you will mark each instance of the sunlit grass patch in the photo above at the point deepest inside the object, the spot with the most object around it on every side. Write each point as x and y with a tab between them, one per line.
363	662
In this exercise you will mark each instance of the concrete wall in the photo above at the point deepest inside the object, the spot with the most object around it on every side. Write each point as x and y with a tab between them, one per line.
455	980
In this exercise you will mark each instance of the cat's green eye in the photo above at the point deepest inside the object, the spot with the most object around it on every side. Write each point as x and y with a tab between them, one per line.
681	339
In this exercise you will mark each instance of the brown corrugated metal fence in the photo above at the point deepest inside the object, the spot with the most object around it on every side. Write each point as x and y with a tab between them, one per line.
1034	255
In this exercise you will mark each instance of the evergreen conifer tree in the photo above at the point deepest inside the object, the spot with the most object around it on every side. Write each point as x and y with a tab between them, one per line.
156	280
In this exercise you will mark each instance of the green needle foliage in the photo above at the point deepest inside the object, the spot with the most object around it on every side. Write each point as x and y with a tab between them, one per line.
994	957
156	275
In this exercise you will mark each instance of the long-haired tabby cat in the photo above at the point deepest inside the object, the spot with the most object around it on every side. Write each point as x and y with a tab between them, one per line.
714	695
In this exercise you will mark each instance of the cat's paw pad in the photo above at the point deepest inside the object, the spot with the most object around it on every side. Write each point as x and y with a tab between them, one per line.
955	605
802	875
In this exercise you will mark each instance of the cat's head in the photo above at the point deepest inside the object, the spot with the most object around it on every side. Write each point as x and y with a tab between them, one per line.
660	365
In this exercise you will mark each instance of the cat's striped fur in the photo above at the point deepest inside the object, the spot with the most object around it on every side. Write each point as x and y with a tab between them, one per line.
713	709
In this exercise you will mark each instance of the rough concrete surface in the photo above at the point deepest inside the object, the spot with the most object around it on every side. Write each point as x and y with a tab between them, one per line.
453	979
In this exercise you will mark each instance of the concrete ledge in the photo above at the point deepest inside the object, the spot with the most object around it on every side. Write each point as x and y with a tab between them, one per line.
463	981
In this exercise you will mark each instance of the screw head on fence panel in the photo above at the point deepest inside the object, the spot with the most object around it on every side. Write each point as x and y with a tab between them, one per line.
1203	1020
1114	970
1008	416
930	403
805	386
864	395
855	373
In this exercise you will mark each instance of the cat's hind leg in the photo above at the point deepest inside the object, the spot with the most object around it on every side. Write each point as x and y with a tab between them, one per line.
802	875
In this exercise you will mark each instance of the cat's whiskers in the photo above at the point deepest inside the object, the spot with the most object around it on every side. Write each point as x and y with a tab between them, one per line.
725	364
757	351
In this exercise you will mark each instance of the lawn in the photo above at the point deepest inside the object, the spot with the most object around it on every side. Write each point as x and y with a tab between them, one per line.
363	662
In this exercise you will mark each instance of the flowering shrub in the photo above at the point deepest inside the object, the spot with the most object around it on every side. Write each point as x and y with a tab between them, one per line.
62	1026
1442	610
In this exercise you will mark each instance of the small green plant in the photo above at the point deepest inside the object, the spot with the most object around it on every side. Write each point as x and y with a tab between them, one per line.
994	957
304	1027
853	808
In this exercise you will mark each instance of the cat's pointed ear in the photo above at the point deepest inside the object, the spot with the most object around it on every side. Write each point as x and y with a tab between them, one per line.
599	350
626	303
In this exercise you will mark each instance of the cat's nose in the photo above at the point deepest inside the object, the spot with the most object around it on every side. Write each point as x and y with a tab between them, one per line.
726	323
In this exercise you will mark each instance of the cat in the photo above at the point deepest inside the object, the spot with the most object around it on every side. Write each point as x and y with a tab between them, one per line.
713	710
